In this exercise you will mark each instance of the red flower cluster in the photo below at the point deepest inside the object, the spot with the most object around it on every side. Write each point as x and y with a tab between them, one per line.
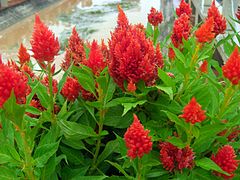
96	59
36	104
231	70
155	17
44	44
174	158
11	79
233	135
71	89
137	140
226	159
220	24
205	32
132	55
75	52
181	30
27	70
23	55
45	82
193	112
184	8
204	67
238	13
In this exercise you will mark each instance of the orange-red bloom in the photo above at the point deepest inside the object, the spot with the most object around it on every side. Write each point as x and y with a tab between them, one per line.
23	55
238	13
75	52
155	17
71	89
205	32
11	79
226	159
174	158
44	44
220	24
132	55
137	139
45	82
181	30
204	67
193	112
96	59
184	8
231	70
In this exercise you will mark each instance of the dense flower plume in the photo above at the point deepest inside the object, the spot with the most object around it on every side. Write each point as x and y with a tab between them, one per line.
174	158
220	23
181	30
238	13
132	55
11	79
184	8
155	17
204	67
23	55
193	112
44	44
71	89
45	82
231	70
75	52
96	59
137	139
226	159
205	32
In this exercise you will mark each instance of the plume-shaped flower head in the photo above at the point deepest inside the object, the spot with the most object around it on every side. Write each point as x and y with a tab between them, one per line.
184	8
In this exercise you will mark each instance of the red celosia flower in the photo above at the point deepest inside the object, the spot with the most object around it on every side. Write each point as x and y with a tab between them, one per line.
86	95
96	60
131	87
26	69
184	8
71	89
181	30
122	18
238	13
171	53
10	79
226	159
231	70
45	82
36	104
23	55
44	44
205	32
155	17
132	55
193	112
204	67
174	158
220	23
75	52
137	139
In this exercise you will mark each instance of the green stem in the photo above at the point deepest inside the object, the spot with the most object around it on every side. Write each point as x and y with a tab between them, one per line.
139	170
189	137
226	101
28	166
50	79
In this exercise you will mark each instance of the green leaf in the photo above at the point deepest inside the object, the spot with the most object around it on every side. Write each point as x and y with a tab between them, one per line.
129	106
122	145
13	111
198	173
73	156
156	173
165	78
89	178
119	101
167	90
149	30
174	118
76	144
117	166
110	91
176	142
4	158
114	118
7	174
179	54
44	152
208	164
109	149
42	94
85	78
73	130
195	131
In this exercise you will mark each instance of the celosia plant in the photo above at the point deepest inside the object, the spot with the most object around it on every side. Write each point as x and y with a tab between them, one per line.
81	123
